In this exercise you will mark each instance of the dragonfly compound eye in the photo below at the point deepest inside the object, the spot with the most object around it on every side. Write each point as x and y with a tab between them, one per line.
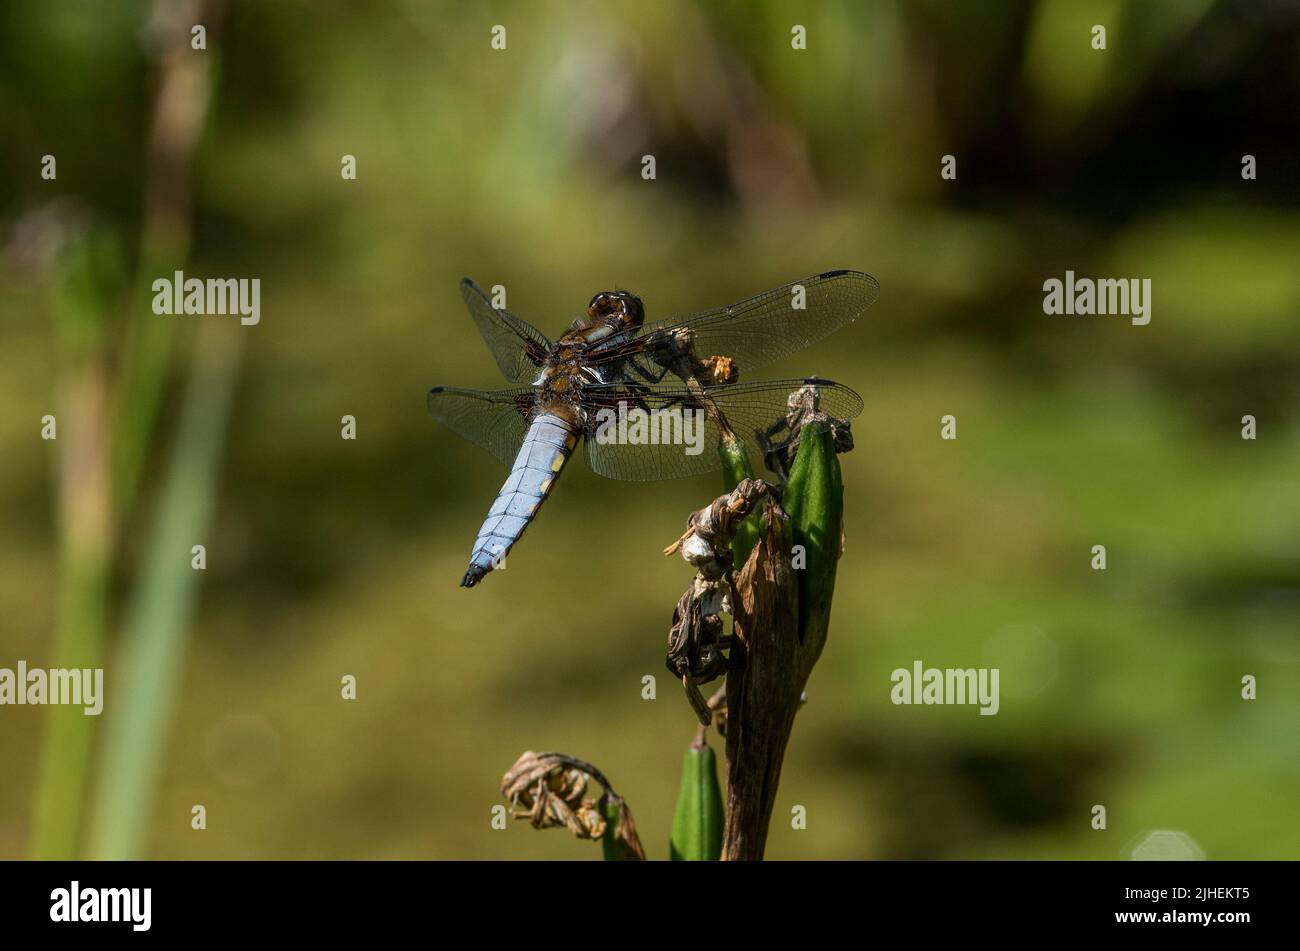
633	310
617	304
601	305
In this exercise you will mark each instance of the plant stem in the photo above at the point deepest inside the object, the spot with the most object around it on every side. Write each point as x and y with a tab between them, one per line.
763	688
84	509
782	614
158	618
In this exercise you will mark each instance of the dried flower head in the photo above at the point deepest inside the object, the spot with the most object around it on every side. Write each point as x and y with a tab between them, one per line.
547	789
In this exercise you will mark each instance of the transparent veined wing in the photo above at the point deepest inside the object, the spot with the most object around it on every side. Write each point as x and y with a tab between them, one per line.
517	346
495	420
679	436
757	331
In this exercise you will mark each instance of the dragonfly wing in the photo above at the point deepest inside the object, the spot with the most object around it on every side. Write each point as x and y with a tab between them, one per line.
679	436
495	420
757	331
518	347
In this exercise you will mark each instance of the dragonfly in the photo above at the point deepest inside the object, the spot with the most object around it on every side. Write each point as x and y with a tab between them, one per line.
646	400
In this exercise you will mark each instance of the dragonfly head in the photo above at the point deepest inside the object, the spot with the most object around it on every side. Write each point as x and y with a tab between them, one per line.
623	306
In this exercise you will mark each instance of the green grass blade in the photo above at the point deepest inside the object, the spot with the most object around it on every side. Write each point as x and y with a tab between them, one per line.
159	615
84	284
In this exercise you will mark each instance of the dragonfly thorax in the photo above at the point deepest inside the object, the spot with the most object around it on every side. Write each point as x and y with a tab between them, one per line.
562	378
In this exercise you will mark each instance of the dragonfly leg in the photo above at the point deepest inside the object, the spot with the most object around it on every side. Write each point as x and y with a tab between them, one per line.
647	374
775	450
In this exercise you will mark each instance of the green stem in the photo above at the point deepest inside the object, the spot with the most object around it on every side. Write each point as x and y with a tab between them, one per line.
65	755
84	284
159	615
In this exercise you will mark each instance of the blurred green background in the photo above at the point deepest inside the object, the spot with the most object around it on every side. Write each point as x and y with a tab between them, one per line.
522	167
